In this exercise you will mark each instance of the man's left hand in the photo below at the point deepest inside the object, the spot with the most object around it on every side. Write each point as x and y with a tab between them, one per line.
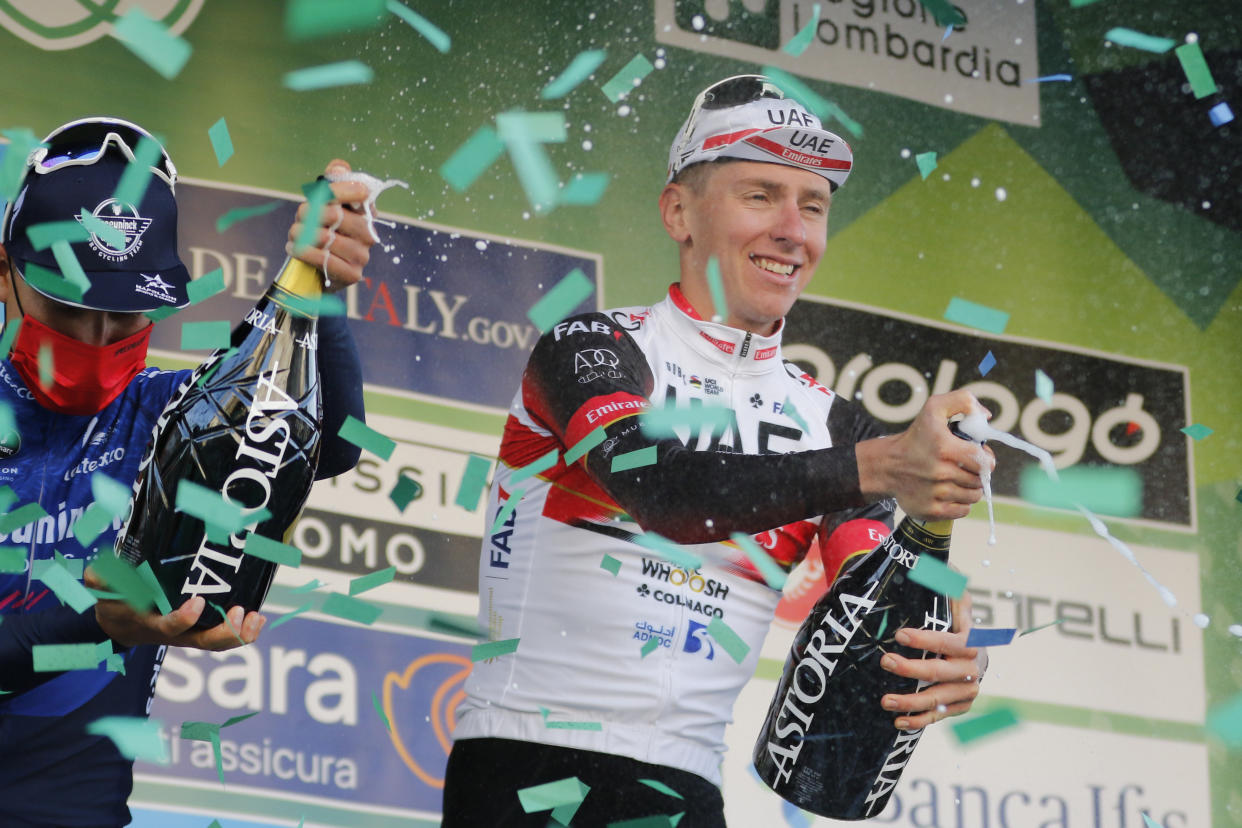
343	241
954	678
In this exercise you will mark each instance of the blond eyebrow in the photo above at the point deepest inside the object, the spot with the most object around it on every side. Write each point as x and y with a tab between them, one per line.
823	195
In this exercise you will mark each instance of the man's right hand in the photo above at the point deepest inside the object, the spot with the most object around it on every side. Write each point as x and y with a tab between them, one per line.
933	474
128	627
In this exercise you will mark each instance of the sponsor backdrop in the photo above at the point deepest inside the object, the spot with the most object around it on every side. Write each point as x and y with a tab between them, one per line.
1099	211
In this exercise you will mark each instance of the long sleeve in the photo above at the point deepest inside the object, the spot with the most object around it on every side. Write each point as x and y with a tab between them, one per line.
340	377
20	632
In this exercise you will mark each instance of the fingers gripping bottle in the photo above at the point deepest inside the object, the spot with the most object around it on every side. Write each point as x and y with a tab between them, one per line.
827	746
245	425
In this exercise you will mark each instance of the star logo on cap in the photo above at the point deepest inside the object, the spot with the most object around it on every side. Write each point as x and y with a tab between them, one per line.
157	283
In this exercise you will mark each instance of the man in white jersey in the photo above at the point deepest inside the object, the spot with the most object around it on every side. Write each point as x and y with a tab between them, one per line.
568	568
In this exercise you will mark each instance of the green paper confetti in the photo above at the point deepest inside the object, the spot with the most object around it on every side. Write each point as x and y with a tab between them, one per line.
207	285
225	616
318	193
22	142
10	334
1109	490
728	639
634	459
1224	721
325	305
288	616
473	480
480	151
306	19
879	634
379	708
716	286
597	726
364	582
1043	386
630	76
649	647
926	162
944	12
218	361
1137	40
133	184
269	550
561	300
610	564
21	516
124	581
160	314
1197	431
221	141
1194	64
972	315
937	576
210	507
342	73
580	448
309	586
430	31
55	658
364	437
91	524
51	282
152	42
579	69
768	568
453	624
74	566
655	783
115	663
67	589
812	100
47	370
493	649
552	795
664	421
791	411
157	592
70	266
534	127
672	552
352	609
800	41
136	737
231	217
7	498
584	189
657	821
210	335
535	467
406	491
12	559
104	231
507	509
535	174
986	724
109	494
1077	4
44	235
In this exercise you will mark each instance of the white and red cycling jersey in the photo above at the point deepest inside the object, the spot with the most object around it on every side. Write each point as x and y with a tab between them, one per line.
563	568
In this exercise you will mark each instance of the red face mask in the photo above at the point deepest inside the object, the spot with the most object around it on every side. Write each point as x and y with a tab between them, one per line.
85	377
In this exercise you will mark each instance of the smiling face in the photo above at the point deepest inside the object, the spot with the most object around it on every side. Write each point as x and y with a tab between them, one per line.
765	224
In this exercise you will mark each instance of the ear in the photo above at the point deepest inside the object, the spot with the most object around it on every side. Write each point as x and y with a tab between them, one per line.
673	206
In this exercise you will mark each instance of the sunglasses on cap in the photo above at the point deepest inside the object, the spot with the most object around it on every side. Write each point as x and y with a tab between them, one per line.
728	93
84	142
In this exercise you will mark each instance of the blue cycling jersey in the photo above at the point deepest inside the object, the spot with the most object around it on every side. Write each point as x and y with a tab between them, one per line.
52	772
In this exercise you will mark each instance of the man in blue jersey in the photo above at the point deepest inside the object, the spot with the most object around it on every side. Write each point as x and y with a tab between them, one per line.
82	402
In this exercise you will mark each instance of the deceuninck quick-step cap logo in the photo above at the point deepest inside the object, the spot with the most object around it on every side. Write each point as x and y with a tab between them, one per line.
121	216
67	24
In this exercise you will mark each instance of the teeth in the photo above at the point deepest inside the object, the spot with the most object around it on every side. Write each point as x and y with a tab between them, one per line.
773	266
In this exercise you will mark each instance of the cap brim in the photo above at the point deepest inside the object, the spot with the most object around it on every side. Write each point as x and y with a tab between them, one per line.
814	150
116	291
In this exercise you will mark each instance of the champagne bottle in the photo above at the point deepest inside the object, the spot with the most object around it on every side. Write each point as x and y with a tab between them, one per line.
246	424
827	746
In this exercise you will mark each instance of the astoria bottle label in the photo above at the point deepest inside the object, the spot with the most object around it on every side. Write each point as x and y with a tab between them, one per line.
827	746
245	424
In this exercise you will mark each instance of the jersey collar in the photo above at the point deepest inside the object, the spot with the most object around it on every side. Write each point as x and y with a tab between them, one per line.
735	349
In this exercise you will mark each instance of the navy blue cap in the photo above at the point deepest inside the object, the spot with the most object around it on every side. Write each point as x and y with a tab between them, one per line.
144	275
